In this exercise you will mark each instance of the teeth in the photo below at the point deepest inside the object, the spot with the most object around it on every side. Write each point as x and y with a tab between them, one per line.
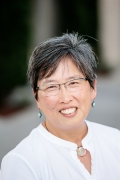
68	111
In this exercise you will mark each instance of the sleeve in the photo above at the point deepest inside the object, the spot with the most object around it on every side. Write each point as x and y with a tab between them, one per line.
15	167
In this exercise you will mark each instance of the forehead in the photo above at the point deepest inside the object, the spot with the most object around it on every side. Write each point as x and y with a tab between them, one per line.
66	70
67	65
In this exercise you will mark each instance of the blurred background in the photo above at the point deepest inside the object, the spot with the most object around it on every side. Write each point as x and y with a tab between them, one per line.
26	23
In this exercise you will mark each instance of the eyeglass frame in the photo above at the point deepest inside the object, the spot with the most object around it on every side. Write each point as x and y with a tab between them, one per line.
86	79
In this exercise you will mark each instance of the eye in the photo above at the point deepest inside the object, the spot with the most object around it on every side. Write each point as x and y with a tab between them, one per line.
73	83
51	87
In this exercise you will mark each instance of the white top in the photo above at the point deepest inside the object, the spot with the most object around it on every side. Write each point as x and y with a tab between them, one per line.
43	156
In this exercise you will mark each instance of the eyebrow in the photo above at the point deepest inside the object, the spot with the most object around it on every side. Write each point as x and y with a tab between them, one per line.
54	81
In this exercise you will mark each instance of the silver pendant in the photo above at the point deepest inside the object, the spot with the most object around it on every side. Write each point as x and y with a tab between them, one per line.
81	151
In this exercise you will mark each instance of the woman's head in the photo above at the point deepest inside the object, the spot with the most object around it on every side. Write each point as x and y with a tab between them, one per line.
48	54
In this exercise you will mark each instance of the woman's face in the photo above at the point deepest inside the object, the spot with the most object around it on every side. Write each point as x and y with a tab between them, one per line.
66	109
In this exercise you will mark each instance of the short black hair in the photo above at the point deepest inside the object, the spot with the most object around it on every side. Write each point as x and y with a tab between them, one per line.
48	54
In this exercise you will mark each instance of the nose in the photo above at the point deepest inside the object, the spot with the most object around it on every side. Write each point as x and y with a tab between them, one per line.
64	95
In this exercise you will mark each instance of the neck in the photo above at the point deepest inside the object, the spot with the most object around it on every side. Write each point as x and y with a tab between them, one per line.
74	135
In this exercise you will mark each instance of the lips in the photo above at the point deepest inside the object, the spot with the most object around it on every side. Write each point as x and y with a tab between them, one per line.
68	111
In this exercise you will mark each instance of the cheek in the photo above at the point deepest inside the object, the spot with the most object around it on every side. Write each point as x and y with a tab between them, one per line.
81	95
84	97
48	102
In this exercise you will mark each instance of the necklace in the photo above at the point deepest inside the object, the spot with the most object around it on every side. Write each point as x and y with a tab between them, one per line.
81	151
46	127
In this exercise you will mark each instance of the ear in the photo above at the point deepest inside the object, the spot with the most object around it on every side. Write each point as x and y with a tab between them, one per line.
37	100
94	93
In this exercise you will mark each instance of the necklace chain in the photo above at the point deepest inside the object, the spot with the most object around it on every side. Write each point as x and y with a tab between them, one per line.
46	127
80	150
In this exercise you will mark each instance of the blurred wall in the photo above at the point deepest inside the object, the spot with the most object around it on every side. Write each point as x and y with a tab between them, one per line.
109	31
44	20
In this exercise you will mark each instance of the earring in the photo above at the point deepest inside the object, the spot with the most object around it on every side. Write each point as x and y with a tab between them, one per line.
93	104
39	114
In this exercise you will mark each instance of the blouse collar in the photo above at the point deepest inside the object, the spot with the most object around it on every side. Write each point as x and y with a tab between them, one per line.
62	142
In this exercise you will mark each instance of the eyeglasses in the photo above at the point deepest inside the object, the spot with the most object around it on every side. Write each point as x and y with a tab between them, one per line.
72	85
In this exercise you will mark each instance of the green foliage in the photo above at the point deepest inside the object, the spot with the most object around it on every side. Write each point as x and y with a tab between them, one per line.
15	38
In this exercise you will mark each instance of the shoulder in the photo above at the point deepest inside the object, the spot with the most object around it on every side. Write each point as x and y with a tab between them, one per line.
29	146
25	157
105	133
105	128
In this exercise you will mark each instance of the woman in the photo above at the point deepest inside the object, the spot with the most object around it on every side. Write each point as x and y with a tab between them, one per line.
65	146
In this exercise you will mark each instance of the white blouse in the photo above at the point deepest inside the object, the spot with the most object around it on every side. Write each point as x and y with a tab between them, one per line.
43	156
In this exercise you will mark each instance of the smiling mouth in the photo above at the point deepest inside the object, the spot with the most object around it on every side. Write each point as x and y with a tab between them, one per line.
68	111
